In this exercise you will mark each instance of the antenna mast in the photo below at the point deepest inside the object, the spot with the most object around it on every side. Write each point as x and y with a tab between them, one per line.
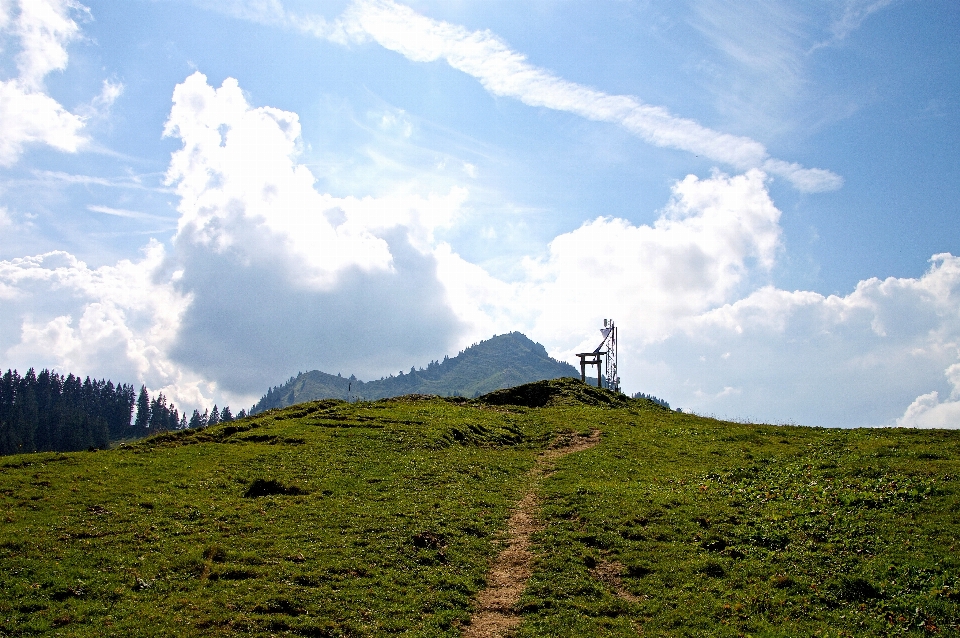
609	332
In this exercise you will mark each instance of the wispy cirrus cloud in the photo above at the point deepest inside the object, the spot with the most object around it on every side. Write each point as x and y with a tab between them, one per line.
132	182
130	214
505	72
853	14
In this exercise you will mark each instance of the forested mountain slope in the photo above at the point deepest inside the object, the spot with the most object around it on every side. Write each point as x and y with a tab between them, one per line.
500	362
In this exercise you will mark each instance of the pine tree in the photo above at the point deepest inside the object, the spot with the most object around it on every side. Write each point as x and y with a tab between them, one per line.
142	421
158	414
214	417
225	414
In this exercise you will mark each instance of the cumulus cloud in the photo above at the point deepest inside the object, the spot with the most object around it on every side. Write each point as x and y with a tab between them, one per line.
693	258
266	275
697	331
44	27
237	170
927	411
118	320
853	360
33	117
293	278
27	114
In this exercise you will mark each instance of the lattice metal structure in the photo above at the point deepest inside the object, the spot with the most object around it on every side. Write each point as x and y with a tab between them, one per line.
609	332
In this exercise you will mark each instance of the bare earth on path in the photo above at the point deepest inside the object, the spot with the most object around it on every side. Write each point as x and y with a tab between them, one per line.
496	614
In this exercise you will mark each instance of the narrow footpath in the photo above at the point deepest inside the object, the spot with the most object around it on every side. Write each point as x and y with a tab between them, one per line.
496	613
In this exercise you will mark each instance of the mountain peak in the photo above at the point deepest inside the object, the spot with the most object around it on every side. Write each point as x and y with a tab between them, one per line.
502	361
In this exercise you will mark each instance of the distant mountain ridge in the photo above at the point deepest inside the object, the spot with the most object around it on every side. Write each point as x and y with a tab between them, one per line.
503	361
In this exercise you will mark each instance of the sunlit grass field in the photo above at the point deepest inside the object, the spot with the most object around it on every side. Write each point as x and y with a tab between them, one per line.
337	519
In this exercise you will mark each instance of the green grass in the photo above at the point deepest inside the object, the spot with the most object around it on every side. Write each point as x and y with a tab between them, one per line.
386	524
727	529
334	519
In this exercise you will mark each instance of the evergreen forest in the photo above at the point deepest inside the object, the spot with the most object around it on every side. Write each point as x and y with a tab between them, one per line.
50	412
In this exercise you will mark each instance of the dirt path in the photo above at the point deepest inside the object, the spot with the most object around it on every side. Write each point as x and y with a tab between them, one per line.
496	614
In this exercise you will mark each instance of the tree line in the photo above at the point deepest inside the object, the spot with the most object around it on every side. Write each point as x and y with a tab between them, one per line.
49	412
650	397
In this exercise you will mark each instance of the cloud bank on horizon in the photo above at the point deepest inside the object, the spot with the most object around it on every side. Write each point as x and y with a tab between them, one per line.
267	274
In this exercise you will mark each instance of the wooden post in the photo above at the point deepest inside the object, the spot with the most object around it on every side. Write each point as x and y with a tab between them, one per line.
595	359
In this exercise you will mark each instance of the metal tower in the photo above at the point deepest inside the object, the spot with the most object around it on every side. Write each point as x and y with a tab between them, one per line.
609	332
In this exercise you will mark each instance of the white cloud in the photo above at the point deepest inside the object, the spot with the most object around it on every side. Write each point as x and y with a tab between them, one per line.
27	114
394	121
236	167
128	214
696	331
273	13
131	182
693	258
237	171
505	72
852	14
267	275
294	278
44	27
99	107
769	47
30	117
116	321
927	411
854	360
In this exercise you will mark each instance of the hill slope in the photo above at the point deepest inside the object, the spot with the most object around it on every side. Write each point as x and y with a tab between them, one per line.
502	361
382	518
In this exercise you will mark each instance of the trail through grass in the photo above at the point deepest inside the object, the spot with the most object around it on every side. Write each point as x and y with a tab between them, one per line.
496	611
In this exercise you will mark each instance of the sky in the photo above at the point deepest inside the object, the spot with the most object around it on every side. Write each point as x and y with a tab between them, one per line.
207	197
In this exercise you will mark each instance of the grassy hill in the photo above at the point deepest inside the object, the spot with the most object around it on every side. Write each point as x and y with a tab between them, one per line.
502	361
380	518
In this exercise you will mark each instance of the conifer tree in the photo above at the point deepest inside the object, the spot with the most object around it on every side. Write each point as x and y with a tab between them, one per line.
225	414
158	413
142	421
214	417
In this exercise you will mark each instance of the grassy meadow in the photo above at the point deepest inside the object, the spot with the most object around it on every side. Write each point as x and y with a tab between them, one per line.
382	518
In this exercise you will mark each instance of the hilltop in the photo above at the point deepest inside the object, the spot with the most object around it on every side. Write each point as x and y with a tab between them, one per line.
332	518
502	361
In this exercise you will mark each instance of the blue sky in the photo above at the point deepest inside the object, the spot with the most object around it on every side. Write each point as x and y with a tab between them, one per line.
208	197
